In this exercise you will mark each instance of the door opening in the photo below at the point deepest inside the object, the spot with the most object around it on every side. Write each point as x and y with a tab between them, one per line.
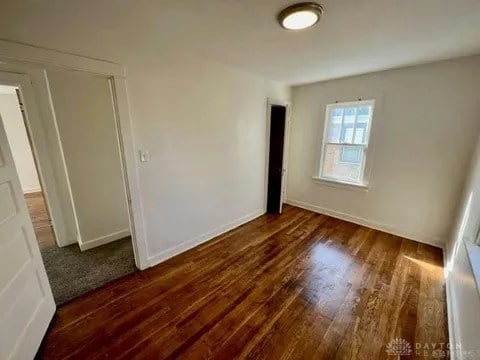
102	249
276	168
14	121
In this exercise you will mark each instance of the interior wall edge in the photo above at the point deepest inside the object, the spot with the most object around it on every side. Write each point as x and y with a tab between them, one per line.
189	244
379	72
451	305
411	235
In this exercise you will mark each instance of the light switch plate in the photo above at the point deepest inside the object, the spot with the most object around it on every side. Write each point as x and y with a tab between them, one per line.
144	156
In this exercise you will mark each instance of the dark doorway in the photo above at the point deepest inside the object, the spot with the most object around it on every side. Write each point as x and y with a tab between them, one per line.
275	162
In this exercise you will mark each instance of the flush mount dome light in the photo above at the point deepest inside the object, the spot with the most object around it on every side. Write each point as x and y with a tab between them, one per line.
300	16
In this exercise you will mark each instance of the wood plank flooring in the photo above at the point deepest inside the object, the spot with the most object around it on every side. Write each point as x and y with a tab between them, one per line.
292	286
40	219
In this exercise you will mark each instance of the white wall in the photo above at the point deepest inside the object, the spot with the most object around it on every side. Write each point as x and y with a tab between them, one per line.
462	292
426	125
86	126
19	144
204	125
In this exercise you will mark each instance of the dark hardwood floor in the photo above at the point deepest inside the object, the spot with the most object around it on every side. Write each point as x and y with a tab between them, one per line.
292	286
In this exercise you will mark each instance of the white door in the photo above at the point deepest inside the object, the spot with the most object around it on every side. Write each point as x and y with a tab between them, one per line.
26	301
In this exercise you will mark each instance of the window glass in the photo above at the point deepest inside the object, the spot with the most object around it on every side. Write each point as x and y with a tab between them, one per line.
335	127
344	149
342	164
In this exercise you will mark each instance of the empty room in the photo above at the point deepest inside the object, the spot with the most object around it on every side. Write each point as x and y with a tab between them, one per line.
218	179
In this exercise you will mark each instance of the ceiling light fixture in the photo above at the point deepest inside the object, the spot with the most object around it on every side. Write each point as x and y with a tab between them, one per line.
300	16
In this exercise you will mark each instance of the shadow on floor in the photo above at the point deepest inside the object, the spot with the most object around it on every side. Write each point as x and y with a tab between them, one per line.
73	273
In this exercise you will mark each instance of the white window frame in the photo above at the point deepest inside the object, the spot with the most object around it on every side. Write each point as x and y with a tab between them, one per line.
364	182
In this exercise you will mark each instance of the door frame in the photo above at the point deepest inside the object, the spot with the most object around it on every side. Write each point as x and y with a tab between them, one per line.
271	102
43	147
30	115
26	56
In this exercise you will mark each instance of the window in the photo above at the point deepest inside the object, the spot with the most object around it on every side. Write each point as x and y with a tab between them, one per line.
345	142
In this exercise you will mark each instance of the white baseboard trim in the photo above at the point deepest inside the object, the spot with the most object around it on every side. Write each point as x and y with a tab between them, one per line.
68	242
31	190
423	238
167	254
102	240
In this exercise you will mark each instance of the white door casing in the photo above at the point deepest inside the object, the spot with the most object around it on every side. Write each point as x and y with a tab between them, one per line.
34	60
26	301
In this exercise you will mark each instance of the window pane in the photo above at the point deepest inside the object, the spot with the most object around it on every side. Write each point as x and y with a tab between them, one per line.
351	154
362	119
348	124
360	133
337	112
348	134
335	125
334	133
344	150
343	162
350	111
364	111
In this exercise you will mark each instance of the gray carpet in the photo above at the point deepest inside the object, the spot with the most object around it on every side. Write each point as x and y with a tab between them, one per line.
73	273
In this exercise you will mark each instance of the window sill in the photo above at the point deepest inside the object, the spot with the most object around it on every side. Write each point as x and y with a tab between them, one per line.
341	184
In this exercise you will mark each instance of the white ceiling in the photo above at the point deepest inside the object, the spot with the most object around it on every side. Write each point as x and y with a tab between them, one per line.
353	37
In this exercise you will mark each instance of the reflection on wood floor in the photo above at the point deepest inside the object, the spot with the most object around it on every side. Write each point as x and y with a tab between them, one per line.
292	286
